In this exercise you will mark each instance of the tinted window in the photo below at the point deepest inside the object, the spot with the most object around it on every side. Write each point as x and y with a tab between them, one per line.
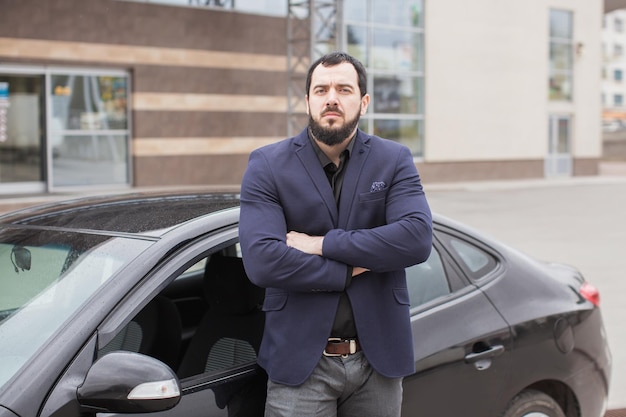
207	323
476	261
427	281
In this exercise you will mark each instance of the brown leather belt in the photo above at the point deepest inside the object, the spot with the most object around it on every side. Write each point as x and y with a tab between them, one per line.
341	347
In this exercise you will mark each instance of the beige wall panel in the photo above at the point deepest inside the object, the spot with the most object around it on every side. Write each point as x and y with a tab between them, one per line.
209	102
132	55
487	79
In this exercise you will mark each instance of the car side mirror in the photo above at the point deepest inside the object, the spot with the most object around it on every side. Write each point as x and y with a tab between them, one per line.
128	382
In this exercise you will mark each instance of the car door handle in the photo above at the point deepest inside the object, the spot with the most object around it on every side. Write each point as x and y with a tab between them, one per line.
489	353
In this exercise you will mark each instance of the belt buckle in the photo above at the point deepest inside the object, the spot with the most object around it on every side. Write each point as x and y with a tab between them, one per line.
352	343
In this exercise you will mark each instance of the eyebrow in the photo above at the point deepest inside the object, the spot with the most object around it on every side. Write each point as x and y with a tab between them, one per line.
340	85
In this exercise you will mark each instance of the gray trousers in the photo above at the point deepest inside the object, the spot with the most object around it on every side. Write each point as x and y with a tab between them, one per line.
338	387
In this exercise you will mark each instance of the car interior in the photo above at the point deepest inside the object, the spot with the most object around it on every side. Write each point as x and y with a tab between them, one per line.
209	320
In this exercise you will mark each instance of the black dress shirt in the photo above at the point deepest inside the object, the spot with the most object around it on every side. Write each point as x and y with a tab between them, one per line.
343	326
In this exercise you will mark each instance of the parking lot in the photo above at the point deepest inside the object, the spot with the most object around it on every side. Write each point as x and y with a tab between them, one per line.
579	221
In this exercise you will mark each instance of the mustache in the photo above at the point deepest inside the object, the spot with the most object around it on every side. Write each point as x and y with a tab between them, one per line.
332	109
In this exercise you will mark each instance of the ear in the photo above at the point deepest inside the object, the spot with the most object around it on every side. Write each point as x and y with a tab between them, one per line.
306	100
365	102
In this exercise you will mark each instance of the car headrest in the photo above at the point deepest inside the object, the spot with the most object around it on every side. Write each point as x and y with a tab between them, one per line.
227	288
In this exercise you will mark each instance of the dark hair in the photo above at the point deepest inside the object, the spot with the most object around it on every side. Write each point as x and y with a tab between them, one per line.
336	58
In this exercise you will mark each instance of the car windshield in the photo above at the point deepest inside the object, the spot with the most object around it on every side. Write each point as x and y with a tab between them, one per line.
45	277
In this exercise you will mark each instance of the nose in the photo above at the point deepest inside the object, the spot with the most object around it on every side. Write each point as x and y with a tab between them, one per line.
331	98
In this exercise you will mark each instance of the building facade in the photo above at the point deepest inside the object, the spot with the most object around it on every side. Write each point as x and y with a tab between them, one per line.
101	93
614	85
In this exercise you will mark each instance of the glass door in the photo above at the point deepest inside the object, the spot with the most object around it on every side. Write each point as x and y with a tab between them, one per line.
559	159
22	133
88	129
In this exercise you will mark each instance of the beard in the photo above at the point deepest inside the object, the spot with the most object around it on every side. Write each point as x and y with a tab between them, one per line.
331	135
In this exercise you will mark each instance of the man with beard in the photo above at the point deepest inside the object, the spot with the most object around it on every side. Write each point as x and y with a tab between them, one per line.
329	220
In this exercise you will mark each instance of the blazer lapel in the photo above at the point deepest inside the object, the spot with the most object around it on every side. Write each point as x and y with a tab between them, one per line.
359	154
311	163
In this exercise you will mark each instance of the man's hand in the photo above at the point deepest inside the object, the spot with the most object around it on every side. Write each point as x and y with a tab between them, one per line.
358	270
305	243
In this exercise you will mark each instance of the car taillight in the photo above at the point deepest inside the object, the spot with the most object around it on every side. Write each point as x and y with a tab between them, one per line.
590	293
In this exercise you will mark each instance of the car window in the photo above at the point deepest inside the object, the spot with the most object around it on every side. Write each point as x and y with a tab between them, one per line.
475	260
214	341
48	277
427	281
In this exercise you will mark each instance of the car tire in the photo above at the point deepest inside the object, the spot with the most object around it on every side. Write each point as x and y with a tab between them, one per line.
531	403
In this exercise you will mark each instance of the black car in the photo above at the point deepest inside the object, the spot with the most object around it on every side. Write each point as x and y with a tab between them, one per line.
139	303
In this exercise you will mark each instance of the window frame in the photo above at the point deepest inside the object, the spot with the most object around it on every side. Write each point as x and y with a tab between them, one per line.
366	25
458	283
485	274
555	94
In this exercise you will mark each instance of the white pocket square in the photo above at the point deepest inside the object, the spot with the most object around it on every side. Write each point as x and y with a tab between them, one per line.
377	186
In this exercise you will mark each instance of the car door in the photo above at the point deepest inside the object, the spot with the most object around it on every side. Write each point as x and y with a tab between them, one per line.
203	388
461	342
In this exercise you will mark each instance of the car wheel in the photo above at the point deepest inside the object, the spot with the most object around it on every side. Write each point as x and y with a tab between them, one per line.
533	403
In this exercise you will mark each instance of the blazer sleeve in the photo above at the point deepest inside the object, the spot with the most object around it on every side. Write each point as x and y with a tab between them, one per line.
268	261
405	239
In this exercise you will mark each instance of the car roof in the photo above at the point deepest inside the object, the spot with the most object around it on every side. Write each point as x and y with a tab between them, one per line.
139	213
143	212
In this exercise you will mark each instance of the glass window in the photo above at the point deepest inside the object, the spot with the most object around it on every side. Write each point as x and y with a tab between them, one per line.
355	10
562	142
561	55
397	94
560	87
407	132
22	117
618	50
206	323
89	102
397	50
558	162
89	129
402	13
617	75
618	100
560	24
474	259
50	275
388	37
427	281
264	7
88	159
357	42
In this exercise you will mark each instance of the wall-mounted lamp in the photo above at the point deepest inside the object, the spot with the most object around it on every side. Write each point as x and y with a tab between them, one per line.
579	49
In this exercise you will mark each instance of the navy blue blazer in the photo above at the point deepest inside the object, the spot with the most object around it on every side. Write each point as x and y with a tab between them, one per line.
383	223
